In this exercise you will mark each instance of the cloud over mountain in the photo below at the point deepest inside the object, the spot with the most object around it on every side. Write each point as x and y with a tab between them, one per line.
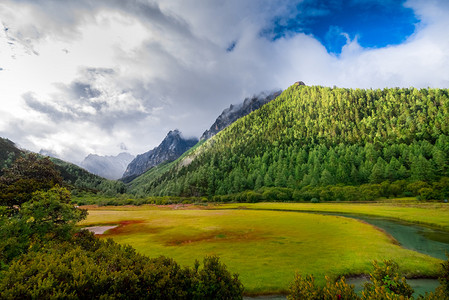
84	76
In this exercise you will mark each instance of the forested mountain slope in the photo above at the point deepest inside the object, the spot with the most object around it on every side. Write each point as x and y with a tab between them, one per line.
76	178
8	153
317	136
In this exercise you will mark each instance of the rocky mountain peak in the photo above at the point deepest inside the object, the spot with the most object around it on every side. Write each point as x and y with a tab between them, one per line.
172	147
234	112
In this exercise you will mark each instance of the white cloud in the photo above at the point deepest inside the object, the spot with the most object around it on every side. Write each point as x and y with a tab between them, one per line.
85	76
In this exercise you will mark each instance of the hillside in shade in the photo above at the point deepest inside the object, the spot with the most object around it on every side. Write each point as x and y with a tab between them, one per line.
318	136
8	153
75	178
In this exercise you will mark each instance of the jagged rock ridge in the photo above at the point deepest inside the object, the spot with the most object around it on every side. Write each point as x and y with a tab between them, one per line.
235	112
110	167
172	147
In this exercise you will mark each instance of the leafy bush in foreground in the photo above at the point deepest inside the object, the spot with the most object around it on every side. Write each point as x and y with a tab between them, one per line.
442	292
43	255
89	268
385	283
304	288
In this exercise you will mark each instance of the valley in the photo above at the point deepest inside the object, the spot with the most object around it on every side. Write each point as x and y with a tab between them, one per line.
224	150
266	243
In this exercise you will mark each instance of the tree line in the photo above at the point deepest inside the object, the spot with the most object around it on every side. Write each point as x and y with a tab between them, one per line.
313	137
44	255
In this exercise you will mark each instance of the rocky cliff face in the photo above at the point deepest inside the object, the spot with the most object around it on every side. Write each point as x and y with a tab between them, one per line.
172	147
110	167
235	112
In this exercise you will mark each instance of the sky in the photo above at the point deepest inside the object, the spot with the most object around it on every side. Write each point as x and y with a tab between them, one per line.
107	76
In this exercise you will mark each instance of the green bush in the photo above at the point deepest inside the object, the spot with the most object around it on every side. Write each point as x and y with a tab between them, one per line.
214	281
304	288
89	268
442	292
386	283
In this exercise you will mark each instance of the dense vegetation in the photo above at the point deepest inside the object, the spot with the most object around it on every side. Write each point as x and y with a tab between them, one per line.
266	247
80	181
385	283
76	179
312	137
8	153
43	254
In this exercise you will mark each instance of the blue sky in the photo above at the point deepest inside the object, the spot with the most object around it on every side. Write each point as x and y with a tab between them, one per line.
99	76
375	24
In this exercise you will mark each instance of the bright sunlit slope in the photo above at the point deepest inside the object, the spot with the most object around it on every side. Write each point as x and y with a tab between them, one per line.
318	136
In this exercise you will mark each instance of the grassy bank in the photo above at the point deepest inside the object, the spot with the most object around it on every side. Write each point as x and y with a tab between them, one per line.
265	247
431	214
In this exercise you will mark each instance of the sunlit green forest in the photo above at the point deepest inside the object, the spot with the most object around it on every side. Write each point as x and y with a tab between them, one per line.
388	142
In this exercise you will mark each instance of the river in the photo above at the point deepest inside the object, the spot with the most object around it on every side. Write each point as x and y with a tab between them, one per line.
423	239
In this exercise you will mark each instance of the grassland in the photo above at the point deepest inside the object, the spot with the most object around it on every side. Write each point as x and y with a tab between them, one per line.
266	247
431	214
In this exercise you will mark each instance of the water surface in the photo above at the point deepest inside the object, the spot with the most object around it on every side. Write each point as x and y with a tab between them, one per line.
423	239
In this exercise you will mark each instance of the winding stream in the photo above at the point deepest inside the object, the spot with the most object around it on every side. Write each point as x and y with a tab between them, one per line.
427	240
423	239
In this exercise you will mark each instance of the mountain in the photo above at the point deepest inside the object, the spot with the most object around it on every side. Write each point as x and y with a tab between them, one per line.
235	112
227	117
75	178
78	179
8	153
110	167
172	147
315	141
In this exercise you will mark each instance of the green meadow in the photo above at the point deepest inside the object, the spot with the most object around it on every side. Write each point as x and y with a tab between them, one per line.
425	213
266	245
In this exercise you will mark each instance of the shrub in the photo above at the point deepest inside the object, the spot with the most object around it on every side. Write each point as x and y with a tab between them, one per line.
386	283
89	268
304	288
338	290
214	281
442	292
